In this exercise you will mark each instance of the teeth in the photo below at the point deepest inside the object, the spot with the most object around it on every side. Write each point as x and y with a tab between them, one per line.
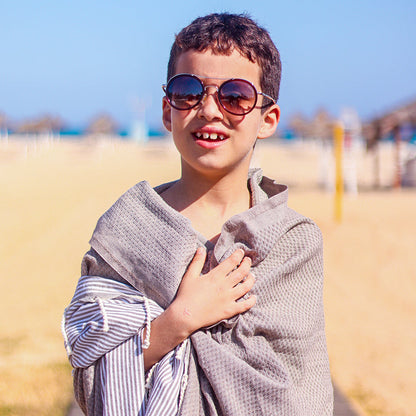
207	136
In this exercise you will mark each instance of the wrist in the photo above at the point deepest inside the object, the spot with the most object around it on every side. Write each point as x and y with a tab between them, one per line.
181	320
167	332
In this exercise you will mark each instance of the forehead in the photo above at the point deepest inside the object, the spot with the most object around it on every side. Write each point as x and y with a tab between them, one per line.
213	66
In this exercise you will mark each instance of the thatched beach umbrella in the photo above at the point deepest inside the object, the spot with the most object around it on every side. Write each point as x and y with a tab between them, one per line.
46	124
373	136
322	125
391	123
3	123
102	124
300	125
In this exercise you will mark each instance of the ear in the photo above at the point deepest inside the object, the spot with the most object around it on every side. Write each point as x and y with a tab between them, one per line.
270	121
166	114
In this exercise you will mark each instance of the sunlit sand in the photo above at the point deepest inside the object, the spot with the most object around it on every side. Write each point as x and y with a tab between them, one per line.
52	193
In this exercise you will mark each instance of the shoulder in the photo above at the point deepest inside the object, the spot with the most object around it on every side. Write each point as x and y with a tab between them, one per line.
303	225
302	240
305	232
288	220
130	203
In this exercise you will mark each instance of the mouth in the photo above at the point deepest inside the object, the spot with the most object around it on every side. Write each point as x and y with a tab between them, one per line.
214	137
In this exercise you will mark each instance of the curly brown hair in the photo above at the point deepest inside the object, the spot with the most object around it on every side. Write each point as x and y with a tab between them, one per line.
224	32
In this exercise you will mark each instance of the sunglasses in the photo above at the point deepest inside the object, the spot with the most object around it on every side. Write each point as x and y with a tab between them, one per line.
236	96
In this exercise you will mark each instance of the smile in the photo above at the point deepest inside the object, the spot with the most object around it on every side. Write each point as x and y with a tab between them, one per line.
209	136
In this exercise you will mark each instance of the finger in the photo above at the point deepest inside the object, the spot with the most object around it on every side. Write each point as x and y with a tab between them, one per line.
245	304
244	287
241	272
229	264
197	263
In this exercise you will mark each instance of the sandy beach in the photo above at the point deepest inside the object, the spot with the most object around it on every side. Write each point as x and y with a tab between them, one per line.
53	192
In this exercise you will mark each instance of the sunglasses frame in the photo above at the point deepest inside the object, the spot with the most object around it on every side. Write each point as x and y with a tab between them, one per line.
218	88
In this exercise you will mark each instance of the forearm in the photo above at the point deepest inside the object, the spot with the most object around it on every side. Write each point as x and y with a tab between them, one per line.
167	332
102	315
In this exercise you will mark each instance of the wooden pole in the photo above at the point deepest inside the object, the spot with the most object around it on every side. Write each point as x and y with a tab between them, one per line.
339	178
398	167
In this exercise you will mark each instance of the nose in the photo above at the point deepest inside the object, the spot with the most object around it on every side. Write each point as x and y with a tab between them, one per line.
210	107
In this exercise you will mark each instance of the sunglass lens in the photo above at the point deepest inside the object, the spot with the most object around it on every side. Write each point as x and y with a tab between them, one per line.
184	92
238	96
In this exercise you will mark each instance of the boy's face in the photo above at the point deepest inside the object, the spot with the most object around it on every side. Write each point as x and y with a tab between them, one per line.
211	156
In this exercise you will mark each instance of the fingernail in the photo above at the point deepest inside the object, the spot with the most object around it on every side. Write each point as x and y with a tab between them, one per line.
201	250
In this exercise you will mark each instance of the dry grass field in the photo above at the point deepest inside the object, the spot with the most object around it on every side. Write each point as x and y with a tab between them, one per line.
51	195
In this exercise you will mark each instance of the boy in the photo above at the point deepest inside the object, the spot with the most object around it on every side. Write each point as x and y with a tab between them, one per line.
168	317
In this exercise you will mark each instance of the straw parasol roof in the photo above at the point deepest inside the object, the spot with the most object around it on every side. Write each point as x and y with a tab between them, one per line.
389	123
322	125
3	121
300	125
46	124
102	124
319	127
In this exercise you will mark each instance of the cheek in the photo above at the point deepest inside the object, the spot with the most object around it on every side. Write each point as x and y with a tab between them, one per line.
250	127
172	117
180	120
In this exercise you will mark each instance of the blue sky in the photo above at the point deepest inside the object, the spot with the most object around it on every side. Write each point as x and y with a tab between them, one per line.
76	58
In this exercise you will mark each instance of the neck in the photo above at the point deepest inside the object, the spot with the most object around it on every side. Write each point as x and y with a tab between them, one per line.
209	201
221	191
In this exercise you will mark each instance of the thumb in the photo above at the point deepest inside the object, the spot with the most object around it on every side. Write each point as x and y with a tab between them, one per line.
197	263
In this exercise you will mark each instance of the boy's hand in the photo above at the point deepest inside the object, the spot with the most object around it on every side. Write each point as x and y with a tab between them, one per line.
204	300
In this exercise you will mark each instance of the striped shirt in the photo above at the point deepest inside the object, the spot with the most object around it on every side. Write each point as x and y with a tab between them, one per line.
104	323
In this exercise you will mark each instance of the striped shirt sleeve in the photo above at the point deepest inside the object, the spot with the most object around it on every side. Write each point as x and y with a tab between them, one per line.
104	325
